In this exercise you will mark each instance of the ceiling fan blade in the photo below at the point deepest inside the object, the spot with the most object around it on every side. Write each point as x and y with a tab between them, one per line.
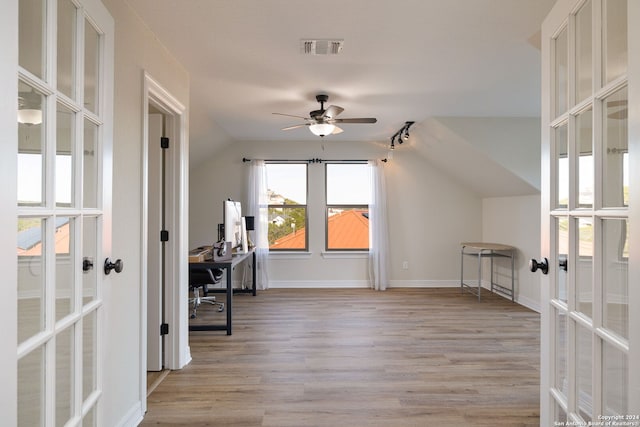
332	111
291	115
358	120
295	126
336	130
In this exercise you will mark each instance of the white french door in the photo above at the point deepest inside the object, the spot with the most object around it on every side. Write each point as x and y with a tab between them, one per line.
589	347
63	181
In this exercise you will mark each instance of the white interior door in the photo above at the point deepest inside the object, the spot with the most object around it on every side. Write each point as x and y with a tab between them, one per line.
65	103
587	342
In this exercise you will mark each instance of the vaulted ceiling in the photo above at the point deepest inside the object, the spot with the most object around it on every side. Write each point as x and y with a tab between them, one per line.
401	60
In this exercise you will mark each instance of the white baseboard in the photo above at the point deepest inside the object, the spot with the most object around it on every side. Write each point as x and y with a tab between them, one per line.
336	284
187	356
529	303
424	283
133	417
522	300
363	284
317	284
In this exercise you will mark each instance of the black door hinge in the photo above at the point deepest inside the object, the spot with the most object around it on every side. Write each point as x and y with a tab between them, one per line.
164	236
164	329
164	142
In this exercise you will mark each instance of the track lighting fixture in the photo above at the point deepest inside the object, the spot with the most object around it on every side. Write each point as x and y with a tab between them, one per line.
405	134
402	135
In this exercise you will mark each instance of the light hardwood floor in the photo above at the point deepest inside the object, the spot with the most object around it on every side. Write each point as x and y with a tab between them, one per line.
403	357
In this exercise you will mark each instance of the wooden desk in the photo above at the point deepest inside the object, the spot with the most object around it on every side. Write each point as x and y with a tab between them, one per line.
229	266
487	250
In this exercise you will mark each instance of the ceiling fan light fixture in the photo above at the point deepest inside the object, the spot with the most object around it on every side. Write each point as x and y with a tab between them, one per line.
321	122
321	129
30	116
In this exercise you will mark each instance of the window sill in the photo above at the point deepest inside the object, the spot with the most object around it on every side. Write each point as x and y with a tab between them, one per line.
345	254
290	255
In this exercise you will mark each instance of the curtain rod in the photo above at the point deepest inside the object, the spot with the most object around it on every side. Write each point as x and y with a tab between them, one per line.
316	160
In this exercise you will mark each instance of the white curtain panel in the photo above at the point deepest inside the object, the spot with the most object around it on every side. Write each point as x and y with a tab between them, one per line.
378	229
258	207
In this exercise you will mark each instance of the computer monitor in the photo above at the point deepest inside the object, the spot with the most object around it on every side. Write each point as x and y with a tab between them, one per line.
233	229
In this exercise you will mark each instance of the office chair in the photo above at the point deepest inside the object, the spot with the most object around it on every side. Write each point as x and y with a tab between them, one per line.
202	278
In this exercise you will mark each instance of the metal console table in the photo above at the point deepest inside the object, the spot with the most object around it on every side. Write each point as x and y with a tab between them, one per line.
482	250
228	266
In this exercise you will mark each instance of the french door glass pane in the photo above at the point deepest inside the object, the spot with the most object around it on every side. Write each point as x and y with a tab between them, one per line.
31	146
66	47
561	73
562	242
89	251
615	39
89	420
615	374
584	70
584	269
615	242
91	64
31	386
616	144
89	354
562	167
31	36
64	156
561	380
90	165
584	142
31	262
64	375
560	415
65	256
584	363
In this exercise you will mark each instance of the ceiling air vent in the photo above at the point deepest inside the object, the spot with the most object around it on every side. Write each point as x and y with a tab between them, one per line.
321	47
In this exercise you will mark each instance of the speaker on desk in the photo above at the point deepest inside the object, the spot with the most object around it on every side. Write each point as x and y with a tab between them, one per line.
250	225
250	220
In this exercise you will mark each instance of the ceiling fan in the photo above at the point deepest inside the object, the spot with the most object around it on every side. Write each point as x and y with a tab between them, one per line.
29	107
322	122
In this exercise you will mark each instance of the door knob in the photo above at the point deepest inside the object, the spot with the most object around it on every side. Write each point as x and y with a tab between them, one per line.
87	264
563	264
542	265
117	266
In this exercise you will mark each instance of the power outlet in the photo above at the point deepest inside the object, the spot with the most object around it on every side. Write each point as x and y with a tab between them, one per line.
405	265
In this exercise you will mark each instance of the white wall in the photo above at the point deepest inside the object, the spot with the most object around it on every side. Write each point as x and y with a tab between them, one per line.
136	50
429	213
512	142
491	155
515	221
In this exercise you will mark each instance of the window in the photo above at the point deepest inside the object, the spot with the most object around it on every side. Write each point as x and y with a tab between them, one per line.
348	194
287	195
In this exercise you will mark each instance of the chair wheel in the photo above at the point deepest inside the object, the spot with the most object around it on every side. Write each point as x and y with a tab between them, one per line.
221	308
193	316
